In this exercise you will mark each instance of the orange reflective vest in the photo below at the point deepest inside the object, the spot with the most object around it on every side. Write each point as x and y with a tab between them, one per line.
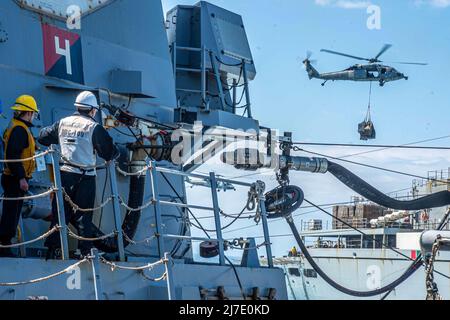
29	152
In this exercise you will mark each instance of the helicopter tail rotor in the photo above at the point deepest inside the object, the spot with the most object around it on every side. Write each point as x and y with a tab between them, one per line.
308	60
307	63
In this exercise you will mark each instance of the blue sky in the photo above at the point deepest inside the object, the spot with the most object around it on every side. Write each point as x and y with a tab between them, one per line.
281	31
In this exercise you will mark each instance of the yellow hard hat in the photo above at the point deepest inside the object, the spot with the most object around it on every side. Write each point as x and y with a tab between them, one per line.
25	103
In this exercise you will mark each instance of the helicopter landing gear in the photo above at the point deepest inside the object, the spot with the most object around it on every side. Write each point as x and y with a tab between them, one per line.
323	84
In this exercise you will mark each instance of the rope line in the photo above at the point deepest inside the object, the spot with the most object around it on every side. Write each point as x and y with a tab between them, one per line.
44	236
77	237
163	277
134	174
126	206
384	147
368	166
36	196
377	241
76	208
43	154
54	275
248	249
144	241
149	266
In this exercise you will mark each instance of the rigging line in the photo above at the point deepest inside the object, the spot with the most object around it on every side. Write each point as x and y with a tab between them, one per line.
274	220
229	64
296	215
228	225
231	86
403	146
366	235
371	166
441	227
408	272
182	200
251	174
138	117
327	206
357	154
384	147
206	233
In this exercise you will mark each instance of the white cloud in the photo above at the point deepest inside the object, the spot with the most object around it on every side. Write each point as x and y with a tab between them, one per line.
344	4
434	3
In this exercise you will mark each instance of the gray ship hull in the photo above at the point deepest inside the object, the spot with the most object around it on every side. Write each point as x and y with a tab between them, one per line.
360	269
79	284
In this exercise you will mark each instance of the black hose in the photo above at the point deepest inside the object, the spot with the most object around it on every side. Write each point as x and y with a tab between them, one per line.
410	271
131	221
283	201
436	200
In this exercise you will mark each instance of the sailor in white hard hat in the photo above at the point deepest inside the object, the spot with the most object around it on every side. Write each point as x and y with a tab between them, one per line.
81	139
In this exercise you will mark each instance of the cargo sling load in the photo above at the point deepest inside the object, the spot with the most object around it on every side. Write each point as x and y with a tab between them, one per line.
151	79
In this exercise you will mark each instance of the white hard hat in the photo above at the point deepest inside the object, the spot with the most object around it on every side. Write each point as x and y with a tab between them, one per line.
86	101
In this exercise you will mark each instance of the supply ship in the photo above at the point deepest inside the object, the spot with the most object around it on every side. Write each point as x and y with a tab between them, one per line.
360	261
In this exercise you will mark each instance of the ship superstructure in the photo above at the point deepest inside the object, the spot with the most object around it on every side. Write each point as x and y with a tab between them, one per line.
153	75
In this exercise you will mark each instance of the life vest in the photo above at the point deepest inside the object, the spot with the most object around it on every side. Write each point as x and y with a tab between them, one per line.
29	152
75	138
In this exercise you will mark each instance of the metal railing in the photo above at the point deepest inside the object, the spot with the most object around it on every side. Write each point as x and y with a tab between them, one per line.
95	259
204	53
151	172
435	178
359	223
213	179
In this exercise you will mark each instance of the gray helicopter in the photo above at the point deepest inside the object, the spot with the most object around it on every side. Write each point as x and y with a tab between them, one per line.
374	71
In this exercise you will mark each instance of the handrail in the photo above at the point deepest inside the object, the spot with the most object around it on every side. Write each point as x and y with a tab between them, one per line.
150	169
39	155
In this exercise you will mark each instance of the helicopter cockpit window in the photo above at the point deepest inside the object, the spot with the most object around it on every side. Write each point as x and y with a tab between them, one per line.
63	8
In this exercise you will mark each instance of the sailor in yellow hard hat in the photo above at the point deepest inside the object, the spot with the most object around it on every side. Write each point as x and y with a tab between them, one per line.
19	144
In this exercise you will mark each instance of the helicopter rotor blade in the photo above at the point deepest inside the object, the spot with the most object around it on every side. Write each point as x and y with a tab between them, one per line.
385	48
411	63
308	54
344	54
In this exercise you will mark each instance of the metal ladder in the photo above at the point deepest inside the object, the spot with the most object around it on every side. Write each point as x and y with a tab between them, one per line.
204	52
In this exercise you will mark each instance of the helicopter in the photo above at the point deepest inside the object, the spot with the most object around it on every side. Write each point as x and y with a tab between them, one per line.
374	71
